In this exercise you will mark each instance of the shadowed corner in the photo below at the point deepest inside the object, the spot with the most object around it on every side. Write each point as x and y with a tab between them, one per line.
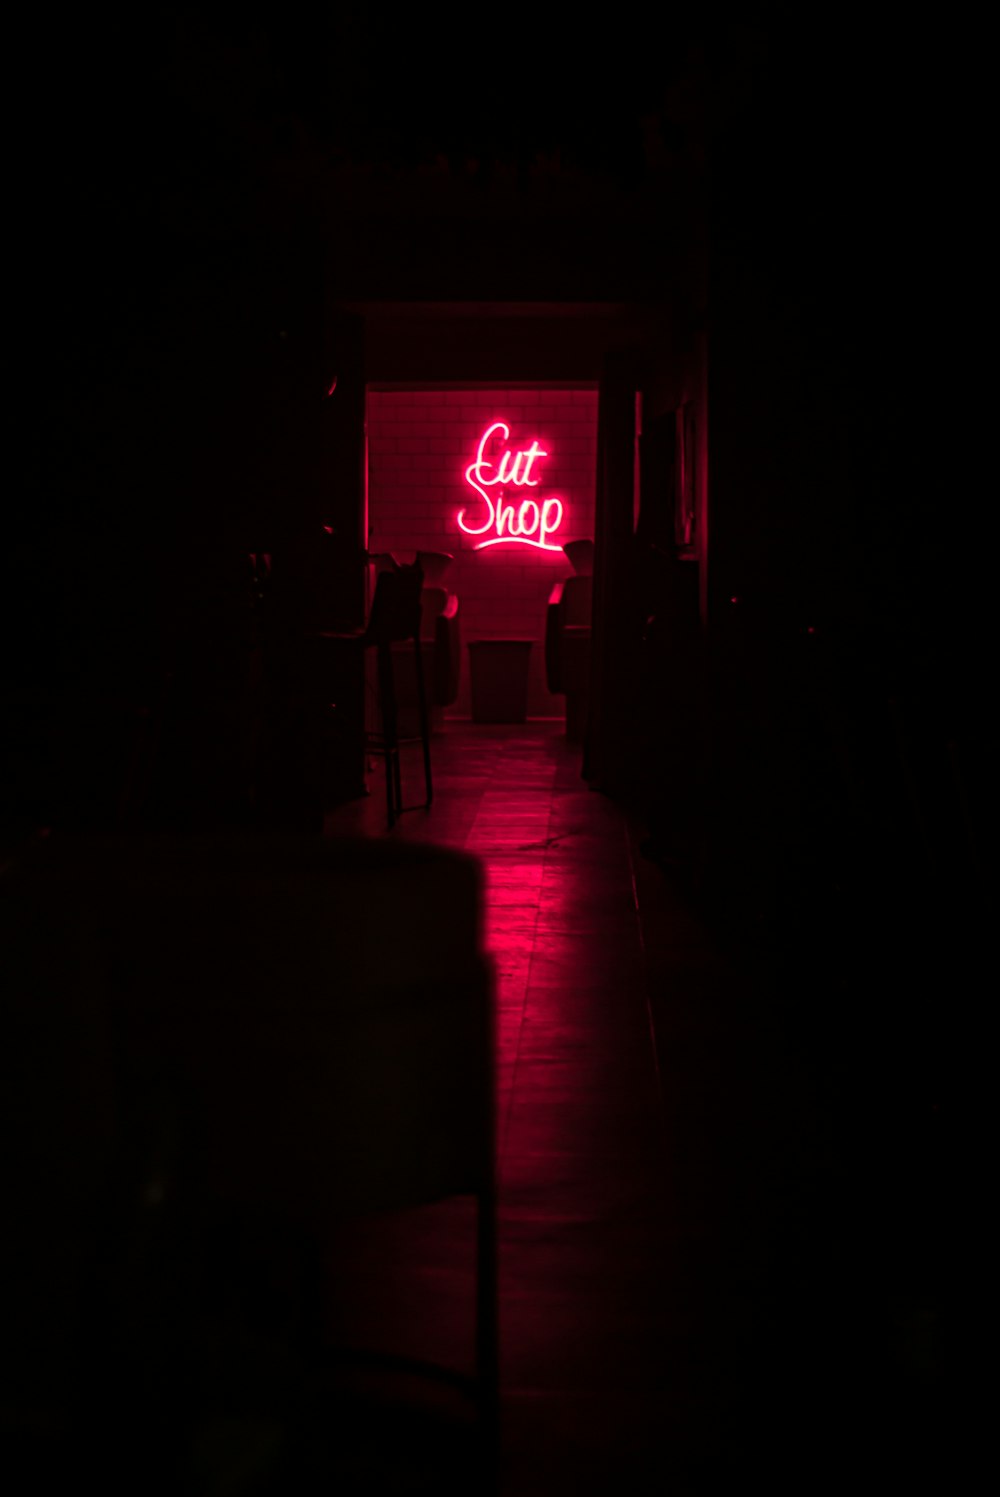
217	1075
728	916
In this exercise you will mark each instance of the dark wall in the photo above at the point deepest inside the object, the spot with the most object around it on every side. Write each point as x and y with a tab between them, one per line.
173	403
845	632
170	407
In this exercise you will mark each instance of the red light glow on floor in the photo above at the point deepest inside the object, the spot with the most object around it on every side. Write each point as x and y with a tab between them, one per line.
532	522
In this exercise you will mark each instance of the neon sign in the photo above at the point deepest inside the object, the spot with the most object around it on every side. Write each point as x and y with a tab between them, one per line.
531	522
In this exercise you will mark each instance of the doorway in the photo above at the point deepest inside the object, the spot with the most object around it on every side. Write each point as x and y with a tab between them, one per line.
497	479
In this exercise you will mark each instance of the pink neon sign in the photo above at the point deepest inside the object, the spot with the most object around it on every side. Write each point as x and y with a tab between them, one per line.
531	522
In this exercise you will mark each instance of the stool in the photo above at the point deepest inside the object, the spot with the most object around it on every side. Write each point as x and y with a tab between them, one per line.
394	619
499	678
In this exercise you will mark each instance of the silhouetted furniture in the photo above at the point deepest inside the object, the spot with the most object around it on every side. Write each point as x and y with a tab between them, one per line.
394	620
442	615
203	1037
441	641
441	649
435	566
567	648
499	679
580	555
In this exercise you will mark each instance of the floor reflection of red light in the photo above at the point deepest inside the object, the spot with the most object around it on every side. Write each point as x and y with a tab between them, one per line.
577	1103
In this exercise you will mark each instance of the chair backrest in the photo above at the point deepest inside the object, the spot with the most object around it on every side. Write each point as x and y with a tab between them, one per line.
433	602
447	654
577	600
396	607
318	1015
567	618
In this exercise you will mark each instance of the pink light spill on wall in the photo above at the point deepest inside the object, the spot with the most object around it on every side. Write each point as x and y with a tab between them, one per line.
532	522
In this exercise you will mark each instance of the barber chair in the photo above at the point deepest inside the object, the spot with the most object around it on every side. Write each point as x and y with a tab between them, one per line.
567	649
392	635
441	659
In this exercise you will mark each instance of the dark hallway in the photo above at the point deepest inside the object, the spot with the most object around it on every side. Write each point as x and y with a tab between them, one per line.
723	1228
736	930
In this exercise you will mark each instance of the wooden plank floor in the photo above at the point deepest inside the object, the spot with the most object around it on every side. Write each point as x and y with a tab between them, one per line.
701	1220
586	1240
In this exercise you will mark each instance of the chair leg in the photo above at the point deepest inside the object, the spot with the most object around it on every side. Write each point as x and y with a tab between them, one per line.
487	1340
397	758
390	740
397	779
487	1352
425	735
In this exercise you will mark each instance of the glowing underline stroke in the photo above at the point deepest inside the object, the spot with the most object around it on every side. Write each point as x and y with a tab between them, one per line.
516	540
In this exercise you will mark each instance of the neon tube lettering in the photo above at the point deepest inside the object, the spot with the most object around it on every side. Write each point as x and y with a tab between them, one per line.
533	522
